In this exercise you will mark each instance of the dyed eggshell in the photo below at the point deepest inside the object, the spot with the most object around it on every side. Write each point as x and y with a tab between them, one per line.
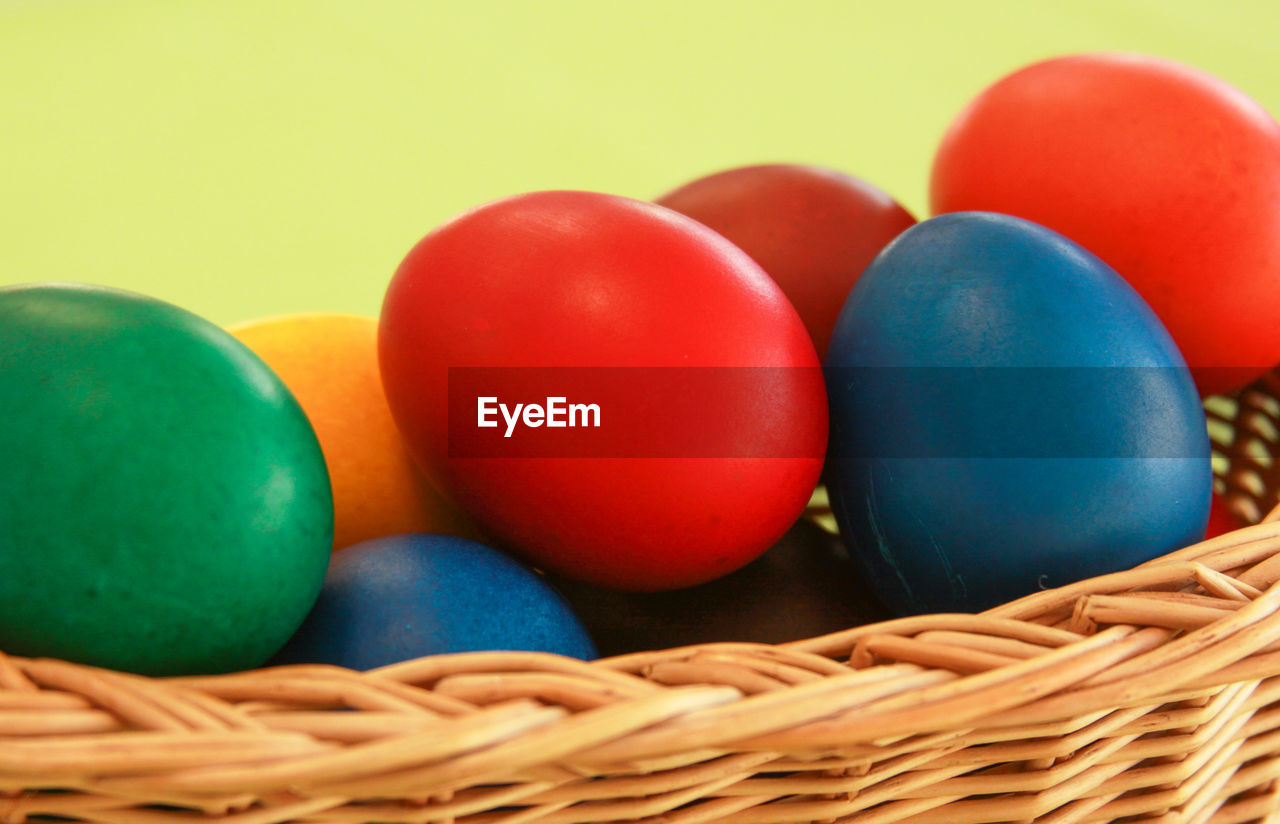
1221	519
804	586
1007	415
405	596
1168	174
812	229
580	279
163	500
330	364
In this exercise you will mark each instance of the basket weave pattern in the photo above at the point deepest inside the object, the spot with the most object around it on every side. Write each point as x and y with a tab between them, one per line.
1148	695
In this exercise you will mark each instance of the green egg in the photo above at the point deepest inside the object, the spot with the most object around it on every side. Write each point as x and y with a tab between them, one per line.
164	504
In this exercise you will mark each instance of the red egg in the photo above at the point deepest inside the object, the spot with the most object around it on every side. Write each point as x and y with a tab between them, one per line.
1168	174
812	229
1221	519
712	417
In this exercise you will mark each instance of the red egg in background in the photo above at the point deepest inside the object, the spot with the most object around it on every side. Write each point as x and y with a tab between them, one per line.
712	409
1167	173
812	229
1221	519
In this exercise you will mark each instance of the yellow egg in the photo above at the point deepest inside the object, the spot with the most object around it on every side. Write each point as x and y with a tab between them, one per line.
330	364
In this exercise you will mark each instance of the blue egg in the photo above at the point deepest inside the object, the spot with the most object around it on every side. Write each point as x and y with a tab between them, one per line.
1007	415
402	597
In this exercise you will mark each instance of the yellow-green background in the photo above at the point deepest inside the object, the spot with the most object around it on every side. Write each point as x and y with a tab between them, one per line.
254	157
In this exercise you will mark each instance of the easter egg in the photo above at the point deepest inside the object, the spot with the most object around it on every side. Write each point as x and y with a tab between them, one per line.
812	229
804	586
1221	518
1007	415
330	364
164	504
710	424
405	596
1168	174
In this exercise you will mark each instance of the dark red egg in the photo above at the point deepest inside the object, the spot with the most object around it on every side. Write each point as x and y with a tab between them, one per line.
812	229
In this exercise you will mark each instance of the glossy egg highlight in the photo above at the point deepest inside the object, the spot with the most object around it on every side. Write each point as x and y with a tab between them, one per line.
1007	415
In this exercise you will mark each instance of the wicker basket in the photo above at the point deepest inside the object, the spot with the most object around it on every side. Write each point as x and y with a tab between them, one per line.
1148	695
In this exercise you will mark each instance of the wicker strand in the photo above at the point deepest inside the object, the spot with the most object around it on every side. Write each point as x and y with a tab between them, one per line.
1151	694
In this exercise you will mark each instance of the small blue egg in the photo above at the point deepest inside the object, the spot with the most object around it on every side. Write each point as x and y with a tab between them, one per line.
1007	415
405	596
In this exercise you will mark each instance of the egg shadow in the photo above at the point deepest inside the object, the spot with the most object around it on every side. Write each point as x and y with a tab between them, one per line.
802	587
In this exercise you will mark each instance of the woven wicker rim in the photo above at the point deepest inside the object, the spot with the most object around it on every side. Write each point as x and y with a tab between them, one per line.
1151	692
